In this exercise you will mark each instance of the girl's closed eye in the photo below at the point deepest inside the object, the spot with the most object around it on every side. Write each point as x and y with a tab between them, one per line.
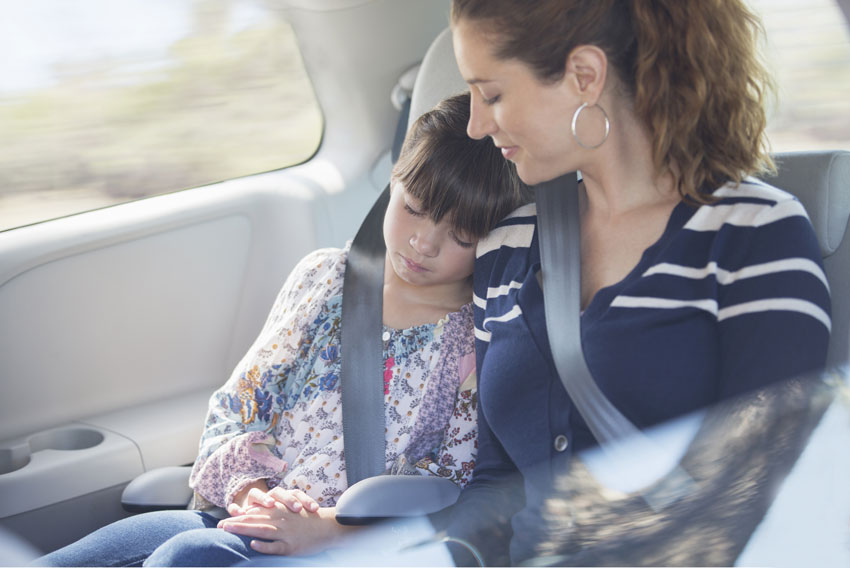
464	243
412	211
492	100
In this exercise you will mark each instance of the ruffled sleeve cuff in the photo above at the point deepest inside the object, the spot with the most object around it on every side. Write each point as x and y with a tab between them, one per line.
241	461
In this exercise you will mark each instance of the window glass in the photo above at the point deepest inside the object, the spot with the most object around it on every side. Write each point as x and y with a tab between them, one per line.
808	50
105	101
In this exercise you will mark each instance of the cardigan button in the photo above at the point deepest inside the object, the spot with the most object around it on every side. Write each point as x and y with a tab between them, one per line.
386	336
560	443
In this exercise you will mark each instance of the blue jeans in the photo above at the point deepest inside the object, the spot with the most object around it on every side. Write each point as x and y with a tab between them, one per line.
161	538
189	538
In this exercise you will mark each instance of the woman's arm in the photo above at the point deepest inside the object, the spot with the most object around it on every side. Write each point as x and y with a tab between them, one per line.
774	306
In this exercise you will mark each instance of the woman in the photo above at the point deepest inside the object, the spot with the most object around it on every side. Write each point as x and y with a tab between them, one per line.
698	283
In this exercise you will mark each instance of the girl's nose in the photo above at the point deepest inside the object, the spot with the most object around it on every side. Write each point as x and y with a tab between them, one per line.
425	243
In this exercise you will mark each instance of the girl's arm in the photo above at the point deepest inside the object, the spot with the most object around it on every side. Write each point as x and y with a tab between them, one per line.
455	457
238	447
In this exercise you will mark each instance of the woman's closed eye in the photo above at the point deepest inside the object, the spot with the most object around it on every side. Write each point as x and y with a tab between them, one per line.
492	100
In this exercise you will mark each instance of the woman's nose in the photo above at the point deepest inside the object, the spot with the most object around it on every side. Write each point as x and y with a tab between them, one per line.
481	121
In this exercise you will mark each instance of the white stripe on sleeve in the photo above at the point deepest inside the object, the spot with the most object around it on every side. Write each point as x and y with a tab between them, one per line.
482	335
504	290
709	306
513	236
726	277
514	313
777	304
711	218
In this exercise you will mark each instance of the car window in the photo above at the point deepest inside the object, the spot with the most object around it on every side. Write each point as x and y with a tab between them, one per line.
808	50
103	102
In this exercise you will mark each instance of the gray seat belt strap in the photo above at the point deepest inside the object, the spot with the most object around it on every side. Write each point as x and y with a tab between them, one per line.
560	259
363	420
362	349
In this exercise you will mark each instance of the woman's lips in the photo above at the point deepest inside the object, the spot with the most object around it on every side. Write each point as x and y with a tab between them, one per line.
508	152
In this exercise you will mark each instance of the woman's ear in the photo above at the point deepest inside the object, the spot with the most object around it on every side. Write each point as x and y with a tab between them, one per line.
587	67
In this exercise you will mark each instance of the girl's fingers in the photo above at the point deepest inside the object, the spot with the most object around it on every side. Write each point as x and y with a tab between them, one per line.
294	499
270	547
308	502
287	498
252	529
259	497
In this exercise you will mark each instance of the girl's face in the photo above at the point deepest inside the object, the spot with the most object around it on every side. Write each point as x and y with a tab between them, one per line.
528	119
421	252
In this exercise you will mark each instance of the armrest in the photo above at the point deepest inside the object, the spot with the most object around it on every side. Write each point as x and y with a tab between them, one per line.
391	496
158	489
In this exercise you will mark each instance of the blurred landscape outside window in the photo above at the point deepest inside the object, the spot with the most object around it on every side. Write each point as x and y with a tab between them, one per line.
107	101
808	52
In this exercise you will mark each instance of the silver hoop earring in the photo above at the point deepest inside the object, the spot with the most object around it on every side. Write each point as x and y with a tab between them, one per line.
575	120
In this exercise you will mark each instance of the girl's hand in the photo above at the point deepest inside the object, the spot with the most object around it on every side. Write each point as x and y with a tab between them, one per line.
293	499
284	532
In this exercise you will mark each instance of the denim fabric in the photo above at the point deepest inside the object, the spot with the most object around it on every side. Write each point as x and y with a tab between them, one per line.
189	538
161	538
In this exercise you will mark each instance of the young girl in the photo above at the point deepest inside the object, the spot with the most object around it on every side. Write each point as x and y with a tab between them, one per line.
272	449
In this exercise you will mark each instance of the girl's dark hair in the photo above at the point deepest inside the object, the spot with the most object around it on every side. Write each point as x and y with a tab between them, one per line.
452	175
691	70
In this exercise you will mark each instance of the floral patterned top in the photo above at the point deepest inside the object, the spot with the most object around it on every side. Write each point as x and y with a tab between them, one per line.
279	416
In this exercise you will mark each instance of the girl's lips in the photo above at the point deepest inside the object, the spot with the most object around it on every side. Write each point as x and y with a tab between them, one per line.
412	265
508	152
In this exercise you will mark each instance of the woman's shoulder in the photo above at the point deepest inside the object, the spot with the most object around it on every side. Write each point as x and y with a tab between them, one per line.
752	223
752	203
513	233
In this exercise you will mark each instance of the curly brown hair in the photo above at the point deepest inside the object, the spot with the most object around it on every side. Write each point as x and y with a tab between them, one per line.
692	70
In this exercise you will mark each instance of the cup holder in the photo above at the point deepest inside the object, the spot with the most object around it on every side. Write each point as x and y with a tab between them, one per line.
17	456
66	439
12	460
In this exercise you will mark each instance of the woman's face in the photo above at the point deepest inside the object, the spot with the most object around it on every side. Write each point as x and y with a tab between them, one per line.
528	119
421	252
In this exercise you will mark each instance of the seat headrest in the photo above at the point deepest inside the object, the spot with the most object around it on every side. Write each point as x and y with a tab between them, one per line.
821	181
438	77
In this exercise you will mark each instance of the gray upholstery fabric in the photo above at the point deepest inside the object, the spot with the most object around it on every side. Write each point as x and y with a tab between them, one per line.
821	181
438	77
